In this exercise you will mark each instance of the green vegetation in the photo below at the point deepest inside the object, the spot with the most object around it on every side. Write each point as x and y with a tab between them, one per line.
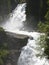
22	1
3	46
44	28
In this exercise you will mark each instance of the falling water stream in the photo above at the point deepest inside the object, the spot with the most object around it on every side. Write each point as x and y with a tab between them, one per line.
29	52
16	19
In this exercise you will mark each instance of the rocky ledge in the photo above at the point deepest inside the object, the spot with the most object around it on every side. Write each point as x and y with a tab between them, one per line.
15	44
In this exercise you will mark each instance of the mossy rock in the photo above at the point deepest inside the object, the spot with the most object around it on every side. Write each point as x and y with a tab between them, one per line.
1	29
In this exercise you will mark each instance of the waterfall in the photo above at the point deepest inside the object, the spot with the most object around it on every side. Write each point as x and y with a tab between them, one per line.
29	52
16	18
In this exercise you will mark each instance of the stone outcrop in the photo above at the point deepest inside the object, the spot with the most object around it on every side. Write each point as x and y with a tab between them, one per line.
13	43
14	46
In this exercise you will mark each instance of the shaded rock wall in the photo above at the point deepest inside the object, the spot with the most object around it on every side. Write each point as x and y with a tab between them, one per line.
14	46
33	7
35	11
6	6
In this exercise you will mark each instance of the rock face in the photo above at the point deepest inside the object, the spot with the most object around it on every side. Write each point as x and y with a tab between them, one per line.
6	6
33	13
19	34
14	46
4	9
33	7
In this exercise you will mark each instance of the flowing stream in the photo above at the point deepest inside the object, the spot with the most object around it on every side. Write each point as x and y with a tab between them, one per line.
29	52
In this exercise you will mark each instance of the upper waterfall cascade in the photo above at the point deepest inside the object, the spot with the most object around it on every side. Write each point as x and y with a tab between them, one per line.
16	19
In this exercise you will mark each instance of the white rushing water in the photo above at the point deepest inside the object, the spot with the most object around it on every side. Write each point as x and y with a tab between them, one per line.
29	52
32	53
16	19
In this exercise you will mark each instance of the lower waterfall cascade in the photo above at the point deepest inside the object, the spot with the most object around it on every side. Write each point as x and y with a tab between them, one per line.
29	52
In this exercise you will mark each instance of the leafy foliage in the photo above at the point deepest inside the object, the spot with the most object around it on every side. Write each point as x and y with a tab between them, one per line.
44	28
41	45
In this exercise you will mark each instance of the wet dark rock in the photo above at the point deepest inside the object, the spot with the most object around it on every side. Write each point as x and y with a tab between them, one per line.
31	38
14	46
